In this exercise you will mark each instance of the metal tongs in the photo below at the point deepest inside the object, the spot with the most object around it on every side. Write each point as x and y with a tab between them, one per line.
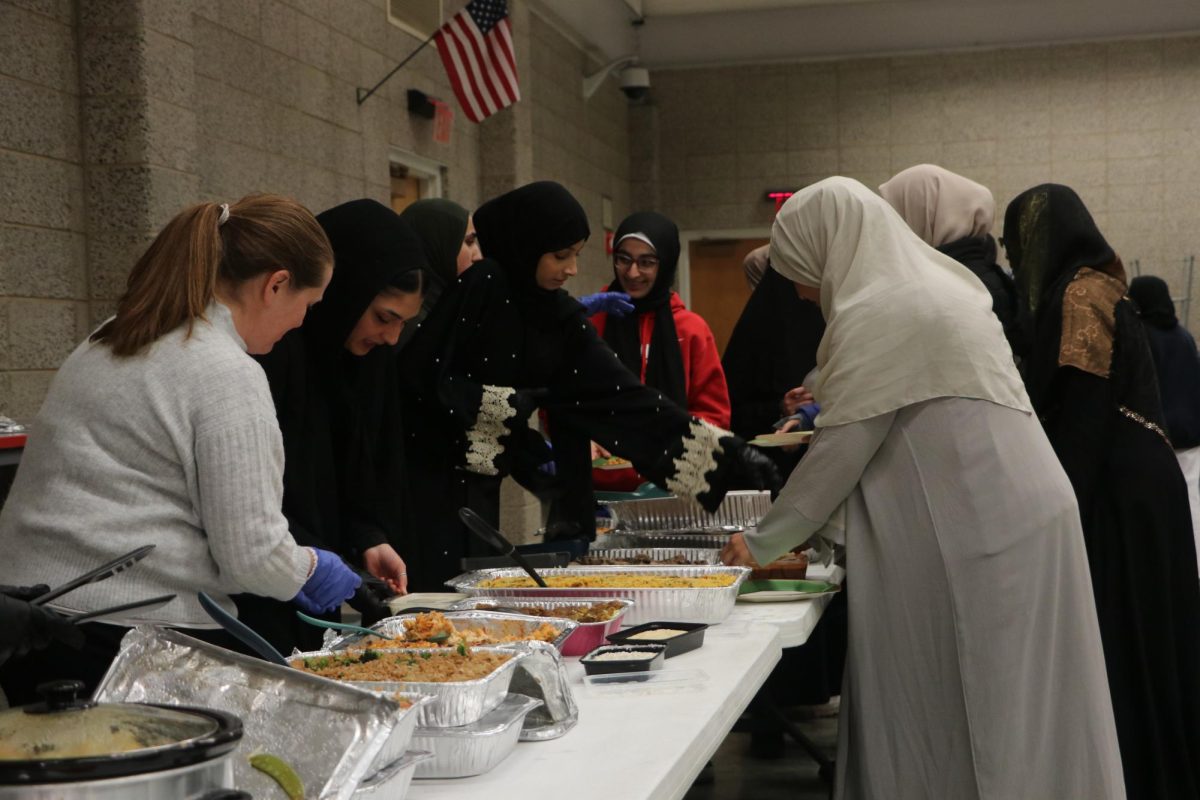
102	572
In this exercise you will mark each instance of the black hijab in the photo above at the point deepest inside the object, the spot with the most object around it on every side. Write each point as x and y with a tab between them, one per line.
341	440
1049	236
517	228
664	366
441	226
1153	298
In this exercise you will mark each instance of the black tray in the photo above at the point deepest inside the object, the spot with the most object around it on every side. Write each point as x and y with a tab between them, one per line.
691	638
632	665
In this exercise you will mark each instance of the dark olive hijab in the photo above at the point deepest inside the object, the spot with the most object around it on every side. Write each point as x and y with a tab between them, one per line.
1049	236
1153	298
517	228
664	365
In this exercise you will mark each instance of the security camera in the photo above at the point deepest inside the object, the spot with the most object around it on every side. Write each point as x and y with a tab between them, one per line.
635	82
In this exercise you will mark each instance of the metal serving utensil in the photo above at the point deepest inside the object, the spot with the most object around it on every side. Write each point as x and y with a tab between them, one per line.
101	572
480	527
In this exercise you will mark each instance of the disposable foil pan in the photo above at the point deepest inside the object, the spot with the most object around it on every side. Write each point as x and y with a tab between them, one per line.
709	605
397	744
498	626
587	636
699	556
743	508
677	539
454	703
542	675
392	782
477	748
329	733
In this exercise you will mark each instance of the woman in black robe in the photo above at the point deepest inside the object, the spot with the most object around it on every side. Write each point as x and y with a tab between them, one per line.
1091	378
335	390
508	338
451	247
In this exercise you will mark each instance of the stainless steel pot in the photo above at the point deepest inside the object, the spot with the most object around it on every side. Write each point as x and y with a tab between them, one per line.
65	748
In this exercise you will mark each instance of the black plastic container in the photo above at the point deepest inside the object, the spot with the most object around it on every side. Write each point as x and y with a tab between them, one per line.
592	667
691	638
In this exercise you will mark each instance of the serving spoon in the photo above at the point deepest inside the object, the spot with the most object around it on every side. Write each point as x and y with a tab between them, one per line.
480	527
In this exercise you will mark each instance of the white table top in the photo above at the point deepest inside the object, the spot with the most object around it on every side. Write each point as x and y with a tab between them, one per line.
635	741
796	619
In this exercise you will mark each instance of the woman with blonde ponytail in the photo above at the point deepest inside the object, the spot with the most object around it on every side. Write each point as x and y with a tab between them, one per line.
160	429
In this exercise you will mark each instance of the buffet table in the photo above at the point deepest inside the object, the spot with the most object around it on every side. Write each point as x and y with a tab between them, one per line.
636	741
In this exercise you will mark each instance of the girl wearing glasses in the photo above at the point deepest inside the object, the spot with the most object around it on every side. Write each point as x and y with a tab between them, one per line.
668	347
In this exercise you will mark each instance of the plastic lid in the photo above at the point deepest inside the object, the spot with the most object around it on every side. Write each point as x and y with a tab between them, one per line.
64	727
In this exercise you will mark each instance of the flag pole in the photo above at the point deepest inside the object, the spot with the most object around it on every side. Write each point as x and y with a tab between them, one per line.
362	94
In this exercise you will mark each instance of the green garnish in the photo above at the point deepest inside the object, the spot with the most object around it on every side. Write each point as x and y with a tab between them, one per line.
368	655
462	648
427	656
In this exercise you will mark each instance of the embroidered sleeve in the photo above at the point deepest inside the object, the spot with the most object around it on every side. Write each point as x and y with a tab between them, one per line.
698	459
484	445
1089	322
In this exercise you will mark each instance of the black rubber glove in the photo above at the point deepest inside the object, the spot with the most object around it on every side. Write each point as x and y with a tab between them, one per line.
24	627
753	469
370	599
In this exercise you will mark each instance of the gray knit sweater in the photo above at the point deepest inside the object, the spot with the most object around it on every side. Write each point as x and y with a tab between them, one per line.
177	446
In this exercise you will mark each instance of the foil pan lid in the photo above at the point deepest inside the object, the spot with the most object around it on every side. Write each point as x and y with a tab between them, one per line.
329	733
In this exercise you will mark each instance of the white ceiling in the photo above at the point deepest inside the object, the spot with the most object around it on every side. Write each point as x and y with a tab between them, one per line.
679	33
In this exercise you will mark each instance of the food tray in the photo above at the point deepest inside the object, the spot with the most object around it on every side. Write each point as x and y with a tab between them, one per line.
624	666
744	508
710	605
493	623
543	676
454	703
672	539
691	638
397	744
477	748
392	782
280	708
587	635
701	555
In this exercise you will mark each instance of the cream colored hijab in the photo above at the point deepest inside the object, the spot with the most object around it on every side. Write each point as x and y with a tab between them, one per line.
939	205
904	323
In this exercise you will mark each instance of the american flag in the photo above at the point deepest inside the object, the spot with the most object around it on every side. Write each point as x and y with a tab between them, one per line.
477	50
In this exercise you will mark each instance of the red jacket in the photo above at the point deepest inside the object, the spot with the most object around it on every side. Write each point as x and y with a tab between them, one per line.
707	392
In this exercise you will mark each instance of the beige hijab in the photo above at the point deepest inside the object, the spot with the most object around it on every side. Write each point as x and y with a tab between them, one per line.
904	323
940	206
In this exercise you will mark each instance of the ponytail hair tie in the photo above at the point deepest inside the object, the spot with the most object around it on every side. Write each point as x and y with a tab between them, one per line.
224	215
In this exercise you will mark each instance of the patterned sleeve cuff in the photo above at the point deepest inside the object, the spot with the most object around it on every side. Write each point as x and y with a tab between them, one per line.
483	439
702	449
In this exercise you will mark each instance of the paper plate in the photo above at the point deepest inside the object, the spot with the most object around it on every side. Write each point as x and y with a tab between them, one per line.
611	463
781	591
782	439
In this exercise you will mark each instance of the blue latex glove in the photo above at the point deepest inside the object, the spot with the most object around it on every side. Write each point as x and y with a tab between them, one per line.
616	303
807	414
331	583
549	467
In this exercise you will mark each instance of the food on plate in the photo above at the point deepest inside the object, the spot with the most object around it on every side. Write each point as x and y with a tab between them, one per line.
640	558
657	634
592	612
611	462
445	666
614	580
792	566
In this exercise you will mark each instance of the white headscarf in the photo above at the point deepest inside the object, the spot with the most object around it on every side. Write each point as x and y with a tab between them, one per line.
939	205
904	323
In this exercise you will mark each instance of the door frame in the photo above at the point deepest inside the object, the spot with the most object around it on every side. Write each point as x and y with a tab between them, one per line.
426	170
685	259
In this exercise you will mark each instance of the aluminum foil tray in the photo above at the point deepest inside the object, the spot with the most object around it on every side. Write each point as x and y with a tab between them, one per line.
676	539
709	605
742	508
456	703
477	748
497	625
397	744
706	556
587	636
543	676
392	782
330	733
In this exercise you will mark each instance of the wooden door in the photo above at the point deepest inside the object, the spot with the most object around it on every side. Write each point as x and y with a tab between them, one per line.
406	190
719	288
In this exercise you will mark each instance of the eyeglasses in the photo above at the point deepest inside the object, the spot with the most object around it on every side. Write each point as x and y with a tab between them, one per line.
624	261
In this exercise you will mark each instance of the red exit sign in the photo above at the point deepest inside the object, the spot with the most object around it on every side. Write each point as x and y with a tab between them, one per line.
779	196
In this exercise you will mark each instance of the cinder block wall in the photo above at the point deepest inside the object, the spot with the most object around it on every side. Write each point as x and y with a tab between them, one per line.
1120	122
